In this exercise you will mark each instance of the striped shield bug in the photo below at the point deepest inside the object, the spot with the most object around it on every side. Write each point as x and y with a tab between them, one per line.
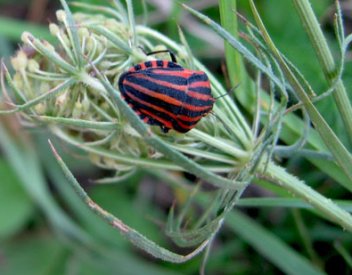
165	94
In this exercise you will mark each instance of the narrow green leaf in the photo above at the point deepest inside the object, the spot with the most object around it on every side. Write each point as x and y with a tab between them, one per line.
16	206
263	241
34	255
287	203
116	40
341	154
325	206
234	62
80	123
13	29
344	253
133	160
24	160
235	43
326	59
5	47
270	246
291	120
132	235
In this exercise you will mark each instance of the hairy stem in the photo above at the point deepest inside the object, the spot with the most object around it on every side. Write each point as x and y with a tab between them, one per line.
326	60
297	187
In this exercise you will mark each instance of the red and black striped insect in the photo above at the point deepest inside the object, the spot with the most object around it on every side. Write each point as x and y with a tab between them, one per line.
164	93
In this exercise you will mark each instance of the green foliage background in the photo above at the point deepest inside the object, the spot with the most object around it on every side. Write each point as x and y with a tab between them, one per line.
40	217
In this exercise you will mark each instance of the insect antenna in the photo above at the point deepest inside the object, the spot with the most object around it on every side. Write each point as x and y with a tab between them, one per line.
217	116
229	92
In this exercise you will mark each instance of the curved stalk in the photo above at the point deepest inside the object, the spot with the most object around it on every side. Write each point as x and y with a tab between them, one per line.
327	207
332	142
326	61
131	234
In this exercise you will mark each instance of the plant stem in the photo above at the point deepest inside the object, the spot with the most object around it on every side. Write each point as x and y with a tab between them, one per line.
306	239
132	235
292	123
329	209
234	62
229	23
326	60
332	142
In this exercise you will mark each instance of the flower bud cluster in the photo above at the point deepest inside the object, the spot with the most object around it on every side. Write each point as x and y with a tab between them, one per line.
57	82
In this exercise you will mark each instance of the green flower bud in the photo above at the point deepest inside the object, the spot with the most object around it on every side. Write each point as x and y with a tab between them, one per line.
85	103
20	61
95	159
77	110
33	65
90	44
61	99
44	87
83	33
18	81
61	15
40	108
54	29
27	37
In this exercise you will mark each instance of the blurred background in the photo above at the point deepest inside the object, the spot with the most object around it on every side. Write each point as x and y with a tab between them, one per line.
40	216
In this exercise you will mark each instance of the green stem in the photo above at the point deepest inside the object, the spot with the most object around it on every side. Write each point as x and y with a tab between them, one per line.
147	163
292	124
234	61
297	187
229	23
265	242
332	142
306	239
72	31
49	53
224	145
132	235
345	253
80	123
326	60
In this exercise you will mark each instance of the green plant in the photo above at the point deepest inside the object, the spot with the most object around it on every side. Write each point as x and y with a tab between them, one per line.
71	89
